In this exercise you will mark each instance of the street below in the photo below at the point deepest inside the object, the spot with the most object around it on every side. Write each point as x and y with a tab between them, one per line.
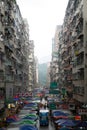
23	113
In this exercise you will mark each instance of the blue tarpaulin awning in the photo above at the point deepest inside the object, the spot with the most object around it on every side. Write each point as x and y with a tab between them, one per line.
28	127
59	113
31	118
82	124
64	128
60	121
68	122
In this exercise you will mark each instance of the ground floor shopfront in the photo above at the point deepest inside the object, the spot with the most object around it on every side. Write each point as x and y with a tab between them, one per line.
9	110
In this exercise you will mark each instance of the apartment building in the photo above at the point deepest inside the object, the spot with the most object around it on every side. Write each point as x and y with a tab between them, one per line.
54	71
35	72
7	45
72	52
14	50
48	75
25	55
75	54
61	49
31	65
2	56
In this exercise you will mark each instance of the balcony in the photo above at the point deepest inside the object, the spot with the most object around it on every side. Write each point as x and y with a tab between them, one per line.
9	5
9	78
76	4
9	32
18	77
79	75
79	90
63	49
2	7
9	45
78	82
79	27
8	63
1	66
2	51
78	48
1	76
9	20
67	63
69	77
79	61
1	35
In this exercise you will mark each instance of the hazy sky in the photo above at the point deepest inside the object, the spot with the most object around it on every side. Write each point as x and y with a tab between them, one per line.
43	16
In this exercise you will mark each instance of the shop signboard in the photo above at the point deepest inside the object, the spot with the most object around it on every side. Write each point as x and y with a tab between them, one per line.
82	111
53	85
53	91
63	91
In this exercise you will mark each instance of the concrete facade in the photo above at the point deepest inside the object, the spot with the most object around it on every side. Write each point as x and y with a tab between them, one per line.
35	72
14	51
54	66
75	37
31	65
72	51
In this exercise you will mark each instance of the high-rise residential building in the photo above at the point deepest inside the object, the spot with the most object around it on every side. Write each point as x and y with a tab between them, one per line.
54	63
75	54
35	72
72	51
2	56
60	61
25	55
48	76
14	51
31	64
